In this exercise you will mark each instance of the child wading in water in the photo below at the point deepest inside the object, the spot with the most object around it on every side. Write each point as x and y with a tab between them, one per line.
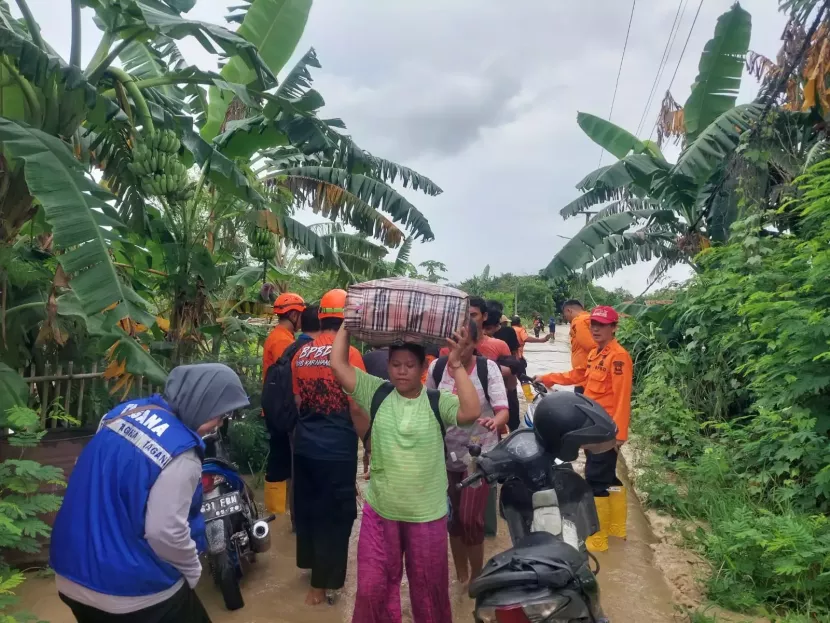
405	516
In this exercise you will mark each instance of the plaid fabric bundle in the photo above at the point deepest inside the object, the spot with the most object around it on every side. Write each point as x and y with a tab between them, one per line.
397	310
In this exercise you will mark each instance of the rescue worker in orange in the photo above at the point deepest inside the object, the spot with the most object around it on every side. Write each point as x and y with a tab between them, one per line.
581	341
288	308
607	379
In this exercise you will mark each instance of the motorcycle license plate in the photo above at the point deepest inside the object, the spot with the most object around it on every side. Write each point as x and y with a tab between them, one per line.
222	506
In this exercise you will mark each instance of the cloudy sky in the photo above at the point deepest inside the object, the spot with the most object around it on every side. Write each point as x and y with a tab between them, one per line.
483	99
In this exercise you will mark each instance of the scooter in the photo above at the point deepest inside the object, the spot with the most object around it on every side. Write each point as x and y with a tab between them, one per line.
234	531
545	577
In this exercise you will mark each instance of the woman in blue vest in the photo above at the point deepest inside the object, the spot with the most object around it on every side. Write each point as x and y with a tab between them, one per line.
124	542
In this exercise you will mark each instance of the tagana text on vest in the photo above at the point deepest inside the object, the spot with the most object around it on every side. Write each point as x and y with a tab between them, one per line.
98	537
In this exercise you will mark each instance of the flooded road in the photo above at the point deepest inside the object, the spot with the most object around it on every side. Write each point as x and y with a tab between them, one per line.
633	591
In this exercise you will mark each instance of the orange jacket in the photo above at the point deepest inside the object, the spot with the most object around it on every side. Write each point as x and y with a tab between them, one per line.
607	379
521	333
581	341
277	341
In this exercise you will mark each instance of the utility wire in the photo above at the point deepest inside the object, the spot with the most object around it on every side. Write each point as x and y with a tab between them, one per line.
682	52
619	72
675	28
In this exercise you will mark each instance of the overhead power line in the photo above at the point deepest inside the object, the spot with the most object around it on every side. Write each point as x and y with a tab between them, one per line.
675	28
679	60
619	71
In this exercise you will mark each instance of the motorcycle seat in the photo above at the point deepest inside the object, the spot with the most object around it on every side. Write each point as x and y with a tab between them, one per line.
539	559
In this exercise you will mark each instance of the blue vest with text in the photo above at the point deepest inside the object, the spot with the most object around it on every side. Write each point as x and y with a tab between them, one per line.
98	538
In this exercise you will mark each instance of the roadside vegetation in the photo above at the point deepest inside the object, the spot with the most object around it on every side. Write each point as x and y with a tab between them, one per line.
733	400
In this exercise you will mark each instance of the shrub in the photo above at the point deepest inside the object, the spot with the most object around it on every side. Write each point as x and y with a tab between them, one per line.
21	502
249	443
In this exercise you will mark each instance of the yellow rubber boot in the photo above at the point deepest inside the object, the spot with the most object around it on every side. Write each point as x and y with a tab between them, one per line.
276	494
598	542
619	512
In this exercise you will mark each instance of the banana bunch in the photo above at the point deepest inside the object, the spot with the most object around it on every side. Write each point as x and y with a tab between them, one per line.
263	246
156	164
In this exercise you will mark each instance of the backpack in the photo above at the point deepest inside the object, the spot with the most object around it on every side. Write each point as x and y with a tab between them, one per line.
382	392
278	404
481	371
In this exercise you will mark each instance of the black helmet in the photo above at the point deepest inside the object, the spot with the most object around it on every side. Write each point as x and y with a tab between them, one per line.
565	421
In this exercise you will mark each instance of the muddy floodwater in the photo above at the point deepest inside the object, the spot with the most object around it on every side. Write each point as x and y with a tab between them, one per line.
633	590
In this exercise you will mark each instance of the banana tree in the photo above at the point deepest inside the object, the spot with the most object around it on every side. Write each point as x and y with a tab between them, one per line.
60	120
650	207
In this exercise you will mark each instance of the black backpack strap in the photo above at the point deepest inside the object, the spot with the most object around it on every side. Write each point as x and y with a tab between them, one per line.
288	353
434	397
483	376
438	370
381	394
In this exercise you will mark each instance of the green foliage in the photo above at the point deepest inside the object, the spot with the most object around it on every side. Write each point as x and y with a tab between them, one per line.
733	395
21	502
249	443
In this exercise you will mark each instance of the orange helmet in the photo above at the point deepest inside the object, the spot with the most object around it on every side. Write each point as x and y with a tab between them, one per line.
332	304
288	301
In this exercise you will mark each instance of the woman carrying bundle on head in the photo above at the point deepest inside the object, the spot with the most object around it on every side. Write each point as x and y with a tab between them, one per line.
405	516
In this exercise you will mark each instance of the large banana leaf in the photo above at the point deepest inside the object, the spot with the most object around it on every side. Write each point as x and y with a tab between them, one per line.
304	237
274	27
81	219
136	359
296	86
356	160
614	139
631	176
243	138
578	251
719	72
627	250
154	59
606	236
171	25
13	390
221	171
591	198
716	142
13	103
357	198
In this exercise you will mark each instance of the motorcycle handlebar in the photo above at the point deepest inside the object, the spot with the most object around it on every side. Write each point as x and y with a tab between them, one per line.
469	480
539	387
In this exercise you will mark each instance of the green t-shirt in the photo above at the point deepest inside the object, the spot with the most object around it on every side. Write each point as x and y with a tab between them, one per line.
408	471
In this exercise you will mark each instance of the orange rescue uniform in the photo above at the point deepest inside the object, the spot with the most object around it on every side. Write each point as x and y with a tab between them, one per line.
581	341
521	333
607	379
277	341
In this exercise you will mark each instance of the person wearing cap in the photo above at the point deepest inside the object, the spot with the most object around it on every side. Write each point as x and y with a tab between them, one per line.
325	456
582	342
607	378
288	308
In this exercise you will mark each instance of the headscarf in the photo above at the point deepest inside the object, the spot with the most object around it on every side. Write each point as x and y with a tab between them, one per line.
203	391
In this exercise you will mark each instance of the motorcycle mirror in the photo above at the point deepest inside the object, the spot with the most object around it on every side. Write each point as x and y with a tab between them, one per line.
475	450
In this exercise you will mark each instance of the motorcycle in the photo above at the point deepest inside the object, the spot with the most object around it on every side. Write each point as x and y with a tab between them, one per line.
546	576
234	531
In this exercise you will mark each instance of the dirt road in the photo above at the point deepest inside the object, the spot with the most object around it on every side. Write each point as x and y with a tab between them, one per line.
633	591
